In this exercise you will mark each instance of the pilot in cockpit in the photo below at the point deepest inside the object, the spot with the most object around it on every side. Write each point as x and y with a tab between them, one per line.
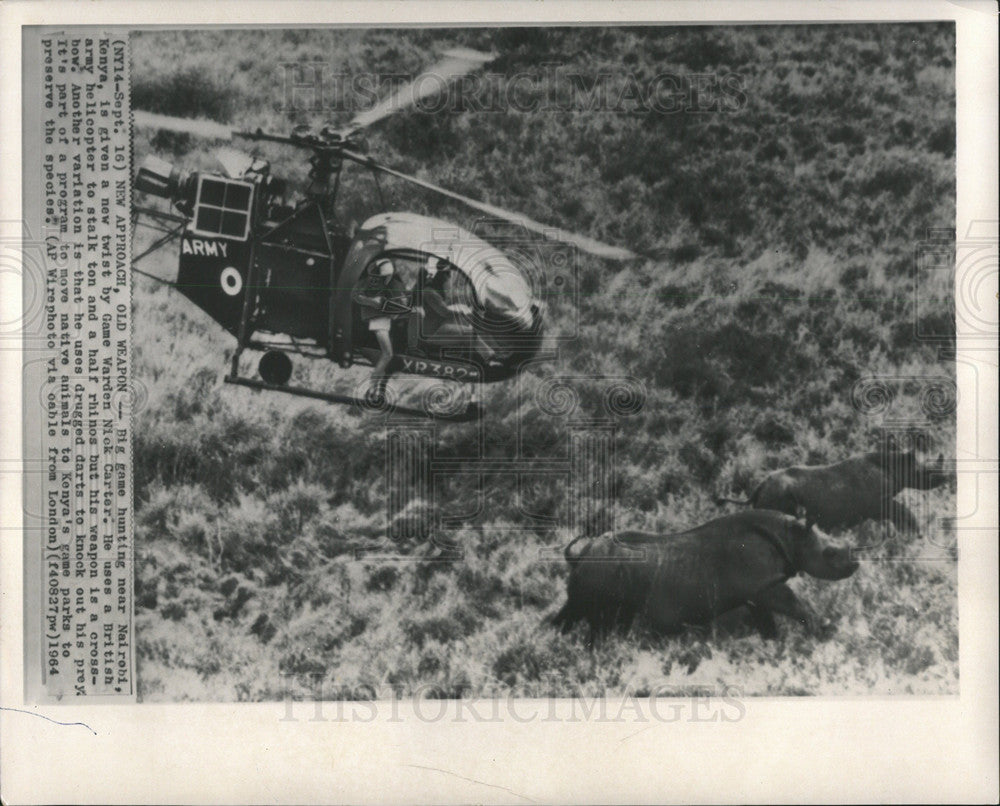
436	321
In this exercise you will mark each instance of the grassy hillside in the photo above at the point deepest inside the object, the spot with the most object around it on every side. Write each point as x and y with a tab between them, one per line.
781	235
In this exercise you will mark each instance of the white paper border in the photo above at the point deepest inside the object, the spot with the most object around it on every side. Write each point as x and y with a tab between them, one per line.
830	749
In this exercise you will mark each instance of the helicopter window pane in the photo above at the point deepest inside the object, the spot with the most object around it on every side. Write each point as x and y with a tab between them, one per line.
456	289
212	192
223	207
209	219
238	197
234	224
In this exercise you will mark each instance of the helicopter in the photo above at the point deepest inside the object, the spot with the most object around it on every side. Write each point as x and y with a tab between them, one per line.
281	276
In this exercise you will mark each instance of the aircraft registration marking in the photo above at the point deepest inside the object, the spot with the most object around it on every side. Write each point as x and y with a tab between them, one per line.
426	366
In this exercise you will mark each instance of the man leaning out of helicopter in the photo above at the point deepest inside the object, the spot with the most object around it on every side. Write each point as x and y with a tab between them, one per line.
381	299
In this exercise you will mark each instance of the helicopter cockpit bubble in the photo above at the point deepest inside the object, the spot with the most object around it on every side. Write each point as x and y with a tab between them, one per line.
506	296
488	293
496	296
501	294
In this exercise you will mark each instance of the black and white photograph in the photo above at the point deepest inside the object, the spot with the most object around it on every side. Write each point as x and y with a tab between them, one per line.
544	362
530	402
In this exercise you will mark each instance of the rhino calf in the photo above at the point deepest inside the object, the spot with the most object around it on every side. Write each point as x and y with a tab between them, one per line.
689	578
844	494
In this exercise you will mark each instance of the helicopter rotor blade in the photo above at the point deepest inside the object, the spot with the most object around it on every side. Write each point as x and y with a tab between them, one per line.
457	62
583	242
208	129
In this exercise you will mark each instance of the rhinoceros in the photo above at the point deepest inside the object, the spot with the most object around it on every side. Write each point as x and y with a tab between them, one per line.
689	578
844	494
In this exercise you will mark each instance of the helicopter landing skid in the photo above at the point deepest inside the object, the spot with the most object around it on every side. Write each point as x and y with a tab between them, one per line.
471	412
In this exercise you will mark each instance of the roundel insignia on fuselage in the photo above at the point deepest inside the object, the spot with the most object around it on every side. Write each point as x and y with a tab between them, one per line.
231	281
